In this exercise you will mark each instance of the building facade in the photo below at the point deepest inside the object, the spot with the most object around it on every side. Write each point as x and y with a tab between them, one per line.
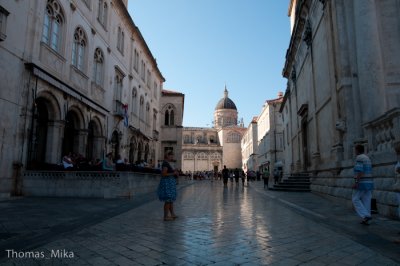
342	67
249	147
262	143
77	76
172	106
270	142
209	149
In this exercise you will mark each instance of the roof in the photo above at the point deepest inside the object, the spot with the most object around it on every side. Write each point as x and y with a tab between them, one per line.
225	102
171	93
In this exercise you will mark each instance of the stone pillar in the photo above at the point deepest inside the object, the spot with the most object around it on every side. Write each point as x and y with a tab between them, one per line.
369	60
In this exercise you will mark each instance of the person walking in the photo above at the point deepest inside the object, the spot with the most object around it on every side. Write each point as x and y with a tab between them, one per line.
225	175
363	185
167	187
266	177
236	173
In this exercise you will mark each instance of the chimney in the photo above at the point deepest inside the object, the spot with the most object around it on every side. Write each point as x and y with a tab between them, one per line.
280	94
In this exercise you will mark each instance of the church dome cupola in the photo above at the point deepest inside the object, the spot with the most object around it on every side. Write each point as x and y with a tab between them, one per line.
225	102
225	113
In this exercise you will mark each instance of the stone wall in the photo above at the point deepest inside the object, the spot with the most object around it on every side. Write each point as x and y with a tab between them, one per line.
88	184
340	188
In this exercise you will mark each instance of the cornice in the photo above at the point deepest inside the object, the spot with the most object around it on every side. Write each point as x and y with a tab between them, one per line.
302	10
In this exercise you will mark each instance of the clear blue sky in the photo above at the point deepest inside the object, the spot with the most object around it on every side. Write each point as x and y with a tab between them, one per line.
201	45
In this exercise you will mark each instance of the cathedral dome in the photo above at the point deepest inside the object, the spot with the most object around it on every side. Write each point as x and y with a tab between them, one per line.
225	103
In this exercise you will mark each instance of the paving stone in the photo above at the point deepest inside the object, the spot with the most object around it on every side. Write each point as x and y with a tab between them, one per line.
216	226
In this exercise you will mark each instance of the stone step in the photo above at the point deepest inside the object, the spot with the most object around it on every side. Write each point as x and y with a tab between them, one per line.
289	189
294	183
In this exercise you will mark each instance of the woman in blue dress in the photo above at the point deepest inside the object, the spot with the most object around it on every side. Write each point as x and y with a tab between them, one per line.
167	188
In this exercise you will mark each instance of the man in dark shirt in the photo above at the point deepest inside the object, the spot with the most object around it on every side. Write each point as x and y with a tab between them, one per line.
225	175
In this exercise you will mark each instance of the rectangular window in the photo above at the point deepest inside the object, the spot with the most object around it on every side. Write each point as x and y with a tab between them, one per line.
155	90
120	40
148	78
46	29
143	70
55	36
118	86
136	61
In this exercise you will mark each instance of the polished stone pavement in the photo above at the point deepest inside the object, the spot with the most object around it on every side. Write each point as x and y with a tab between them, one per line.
217	225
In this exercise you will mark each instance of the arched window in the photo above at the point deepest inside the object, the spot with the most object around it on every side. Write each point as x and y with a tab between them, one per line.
134	102
52	25
154	120
120	40
118	86
172	118
98	67
186	139
199	139
215	156
233	137
212	139
147	113
78	49
169	116
141	108
188	156
201	156
166	118
102	14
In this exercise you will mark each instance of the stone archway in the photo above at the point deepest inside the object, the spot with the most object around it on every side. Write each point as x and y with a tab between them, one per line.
44	140
95	141
71	139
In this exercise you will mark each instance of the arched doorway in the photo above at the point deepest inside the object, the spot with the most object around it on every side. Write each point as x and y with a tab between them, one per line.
70	141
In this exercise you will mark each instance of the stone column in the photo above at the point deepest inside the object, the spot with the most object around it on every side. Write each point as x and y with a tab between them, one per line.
369	60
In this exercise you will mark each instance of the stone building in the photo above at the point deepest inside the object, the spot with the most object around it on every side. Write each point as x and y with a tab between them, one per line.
343	71
270	135
262	143
249	147
172	106
209	149
77	76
